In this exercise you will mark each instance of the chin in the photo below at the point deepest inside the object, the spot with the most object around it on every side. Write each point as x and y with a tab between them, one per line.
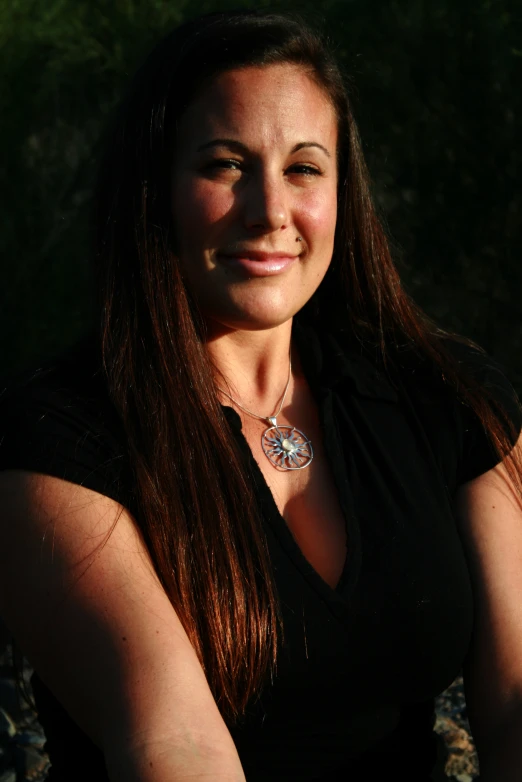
256	314
254	322
251	321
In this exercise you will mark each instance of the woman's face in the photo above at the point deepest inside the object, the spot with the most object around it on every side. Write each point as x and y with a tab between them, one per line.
256	168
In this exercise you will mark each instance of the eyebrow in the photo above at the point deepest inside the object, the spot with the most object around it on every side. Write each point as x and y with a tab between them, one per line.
240	147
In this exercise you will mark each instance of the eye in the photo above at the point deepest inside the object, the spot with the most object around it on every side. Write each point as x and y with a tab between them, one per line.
223	164
304	169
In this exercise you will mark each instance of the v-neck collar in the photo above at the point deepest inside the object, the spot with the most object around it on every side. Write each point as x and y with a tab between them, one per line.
327	361
335	598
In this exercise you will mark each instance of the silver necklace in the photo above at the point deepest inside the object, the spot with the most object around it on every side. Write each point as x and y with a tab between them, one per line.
286	447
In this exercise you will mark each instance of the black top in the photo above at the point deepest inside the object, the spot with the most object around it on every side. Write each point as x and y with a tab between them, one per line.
361	663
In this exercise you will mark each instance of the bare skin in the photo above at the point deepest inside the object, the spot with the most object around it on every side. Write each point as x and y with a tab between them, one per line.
307	499
256	170
95	621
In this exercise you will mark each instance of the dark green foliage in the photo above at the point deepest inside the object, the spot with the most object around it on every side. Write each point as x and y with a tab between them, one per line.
440	112
437	95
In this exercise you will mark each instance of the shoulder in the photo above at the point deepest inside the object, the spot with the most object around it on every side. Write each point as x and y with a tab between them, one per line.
466	368
434	397
442	398
57	419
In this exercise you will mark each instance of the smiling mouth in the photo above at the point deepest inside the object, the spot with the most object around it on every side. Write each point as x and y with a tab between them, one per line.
257	264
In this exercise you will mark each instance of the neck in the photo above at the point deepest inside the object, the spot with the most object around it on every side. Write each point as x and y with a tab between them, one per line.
252	366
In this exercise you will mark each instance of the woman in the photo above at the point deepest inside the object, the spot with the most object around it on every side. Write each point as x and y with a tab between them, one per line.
258	523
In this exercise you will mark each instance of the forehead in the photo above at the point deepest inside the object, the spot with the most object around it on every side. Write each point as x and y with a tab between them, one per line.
271	103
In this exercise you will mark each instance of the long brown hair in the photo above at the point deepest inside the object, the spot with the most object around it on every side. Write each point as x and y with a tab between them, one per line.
197	510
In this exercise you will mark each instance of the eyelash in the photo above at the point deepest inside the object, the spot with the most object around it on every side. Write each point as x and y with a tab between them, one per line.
227	164
309	170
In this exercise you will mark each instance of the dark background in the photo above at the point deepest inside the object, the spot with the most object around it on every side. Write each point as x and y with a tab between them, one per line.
437	88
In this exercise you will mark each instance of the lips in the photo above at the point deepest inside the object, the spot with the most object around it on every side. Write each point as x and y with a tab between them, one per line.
256	263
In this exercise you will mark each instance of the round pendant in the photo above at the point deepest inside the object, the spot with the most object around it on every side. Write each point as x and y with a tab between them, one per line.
287	448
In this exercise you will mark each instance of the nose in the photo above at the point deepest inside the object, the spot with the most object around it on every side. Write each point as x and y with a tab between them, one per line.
265	203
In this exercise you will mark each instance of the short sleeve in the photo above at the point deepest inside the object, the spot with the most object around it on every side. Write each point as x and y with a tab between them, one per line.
64	427
477	454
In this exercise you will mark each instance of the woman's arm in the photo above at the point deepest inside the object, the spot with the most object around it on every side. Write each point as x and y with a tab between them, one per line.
172	762
95	622
490	519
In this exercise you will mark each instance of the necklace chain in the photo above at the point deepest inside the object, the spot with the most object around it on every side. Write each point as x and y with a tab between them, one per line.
285	447
264	417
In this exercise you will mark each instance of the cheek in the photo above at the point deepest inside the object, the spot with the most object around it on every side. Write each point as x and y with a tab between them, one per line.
319	215
197	207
